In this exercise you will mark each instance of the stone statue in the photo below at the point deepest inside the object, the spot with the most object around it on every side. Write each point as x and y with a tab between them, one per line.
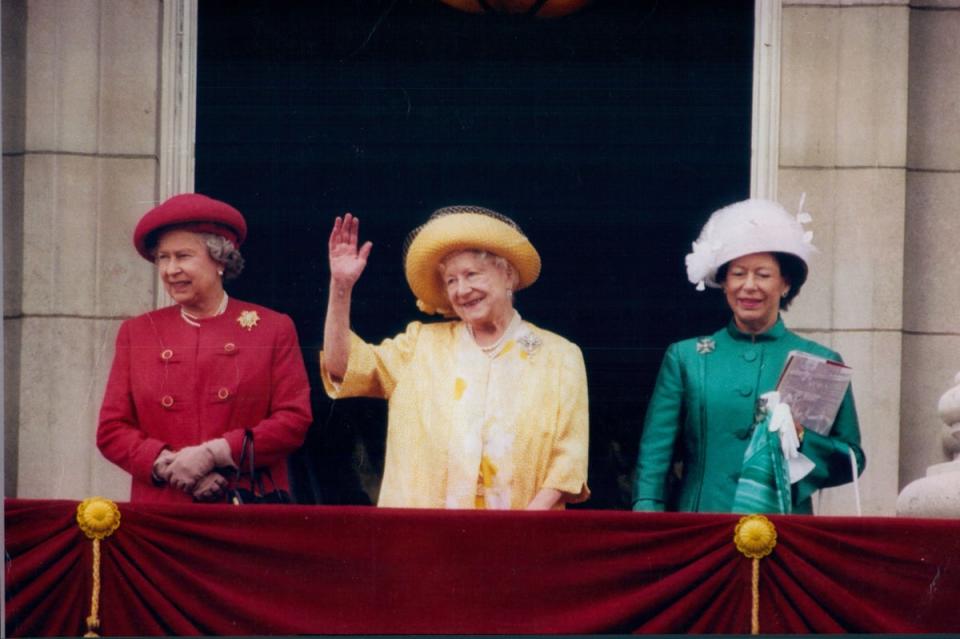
938	494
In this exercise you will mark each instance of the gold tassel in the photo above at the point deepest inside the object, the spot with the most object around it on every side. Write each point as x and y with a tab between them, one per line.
97	517
755	536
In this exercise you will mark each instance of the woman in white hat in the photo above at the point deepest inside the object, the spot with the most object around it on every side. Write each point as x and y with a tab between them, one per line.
485	411
704	403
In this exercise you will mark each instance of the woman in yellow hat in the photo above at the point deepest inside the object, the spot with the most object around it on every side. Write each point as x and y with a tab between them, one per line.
485	411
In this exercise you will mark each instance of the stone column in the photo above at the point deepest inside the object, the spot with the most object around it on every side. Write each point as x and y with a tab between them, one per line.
931	344
843	142
13	18
89	170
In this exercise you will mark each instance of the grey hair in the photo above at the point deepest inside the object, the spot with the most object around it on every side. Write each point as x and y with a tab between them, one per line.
223	252
501	263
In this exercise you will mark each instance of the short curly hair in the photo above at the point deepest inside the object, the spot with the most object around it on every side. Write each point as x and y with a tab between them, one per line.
223	252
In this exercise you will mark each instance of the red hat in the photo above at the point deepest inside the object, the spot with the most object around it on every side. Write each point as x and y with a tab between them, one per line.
195	212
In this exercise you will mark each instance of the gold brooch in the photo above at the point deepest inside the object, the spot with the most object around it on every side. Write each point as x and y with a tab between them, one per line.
248	319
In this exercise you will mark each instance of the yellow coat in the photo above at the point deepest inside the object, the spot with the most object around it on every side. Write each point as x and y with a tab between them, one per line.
443	392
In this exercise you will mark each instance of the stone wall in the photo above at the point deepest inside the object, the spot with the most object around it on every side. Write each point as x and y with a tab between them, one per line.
85	170
13	18
843	142
870	130
931	289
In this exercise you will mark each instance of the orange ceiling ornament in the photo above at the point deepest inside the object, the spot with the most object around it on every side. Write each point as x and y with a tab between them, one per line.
538	8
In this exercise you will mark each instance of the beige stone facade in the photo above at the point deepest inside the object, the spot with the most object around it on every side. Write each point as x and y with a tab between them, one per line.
866	93
80	160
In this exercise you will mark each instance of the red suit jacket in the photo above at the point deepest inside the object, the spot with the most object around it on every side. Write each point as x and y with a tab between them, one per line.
174	385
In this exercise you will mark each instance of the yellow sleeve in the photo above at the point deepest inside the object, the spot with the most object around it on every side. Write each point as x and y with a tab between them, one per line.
373	371
567	471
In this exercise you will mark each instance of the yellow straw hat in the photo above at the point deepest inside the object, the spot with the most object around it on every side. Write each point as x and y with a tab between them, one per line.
459	228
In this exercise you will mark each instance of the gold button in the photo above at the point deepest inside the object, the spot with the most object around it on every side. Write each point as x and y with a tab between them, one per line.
167	401
229	347
167	354
223	393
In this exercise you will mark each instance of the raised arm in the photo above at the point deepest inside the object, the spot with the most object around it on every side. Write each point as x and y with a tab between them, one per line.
346	266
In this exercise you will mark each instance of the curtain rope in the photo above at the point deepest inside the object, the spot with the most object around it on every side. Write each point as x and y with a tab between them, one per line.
97	517
755	536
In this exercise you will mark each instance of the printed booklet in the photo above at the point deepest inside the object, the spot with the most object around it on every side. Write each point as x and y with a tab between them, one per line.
814	388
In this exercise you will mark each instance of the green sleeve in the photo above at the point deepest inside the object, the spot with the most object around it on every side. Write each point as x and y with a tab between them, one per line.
660	429
830	452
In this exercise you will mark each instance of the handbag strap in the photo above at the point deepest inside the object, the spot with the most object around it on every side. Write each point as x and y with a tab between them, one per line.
246	446
248	437
256	478
247	453
856	483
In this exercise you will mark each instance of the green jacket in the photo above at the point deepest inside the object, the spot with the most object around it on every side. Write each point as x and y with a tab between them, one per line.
702	411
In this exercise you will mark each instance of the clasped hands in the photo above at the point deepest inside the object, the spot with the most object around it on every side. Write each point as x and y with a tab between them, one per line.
192	469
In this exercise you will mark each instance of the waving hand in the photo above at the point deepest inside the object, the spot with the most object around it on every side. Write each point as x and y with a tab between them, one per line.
346	266
346	261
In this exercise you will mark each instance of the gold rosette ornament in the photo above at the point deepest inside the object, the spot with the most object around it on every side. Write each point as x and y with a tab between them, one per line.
97	517
755	536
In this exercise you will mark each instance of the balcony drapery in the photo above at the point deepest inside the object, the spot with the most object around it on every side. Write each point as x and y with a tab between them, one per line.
258	570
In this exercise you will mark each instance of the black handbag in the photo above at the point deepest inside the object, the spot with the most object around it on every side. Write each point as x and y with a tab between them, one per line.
256	492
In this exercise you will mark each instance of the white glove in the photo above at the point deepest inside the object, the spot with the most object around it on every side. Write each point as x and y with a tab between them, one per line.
781	419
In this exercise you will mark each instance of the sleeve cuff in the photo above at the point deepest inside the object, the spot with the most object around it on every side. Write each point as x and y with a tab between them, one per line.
220	449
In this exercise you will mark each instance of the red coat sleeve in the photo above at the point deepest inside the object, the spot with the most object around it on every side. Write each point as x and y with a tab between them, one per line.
119	436
284	428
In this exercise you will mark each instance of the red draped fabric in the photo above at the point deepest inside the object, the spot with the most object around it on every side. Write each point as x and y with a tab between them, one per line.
260	570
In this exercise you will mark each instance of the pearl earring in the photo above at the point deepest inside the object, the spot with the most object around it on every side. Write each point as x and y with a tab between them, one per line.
220	273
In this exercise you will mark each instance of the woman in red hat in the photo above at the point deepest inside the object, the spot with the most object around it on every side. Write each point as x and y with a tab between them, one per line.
188	380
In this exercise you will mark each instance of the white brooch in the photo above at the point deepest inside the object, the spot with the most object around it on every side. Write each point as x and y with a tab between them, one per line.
248	319
706	345
530	343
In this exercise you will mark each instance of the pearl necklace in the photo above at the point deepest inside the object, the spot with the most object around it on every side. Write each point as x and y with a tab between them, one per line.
193	320
492	348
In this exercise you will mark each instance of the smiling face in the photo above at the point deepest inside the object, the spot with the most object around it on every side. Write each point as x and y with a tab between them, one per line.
189	274
754	286
478	290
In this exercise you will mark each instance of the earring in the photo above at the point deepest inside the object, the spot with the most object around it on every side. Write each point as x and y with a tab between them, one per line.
784	294
220	273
